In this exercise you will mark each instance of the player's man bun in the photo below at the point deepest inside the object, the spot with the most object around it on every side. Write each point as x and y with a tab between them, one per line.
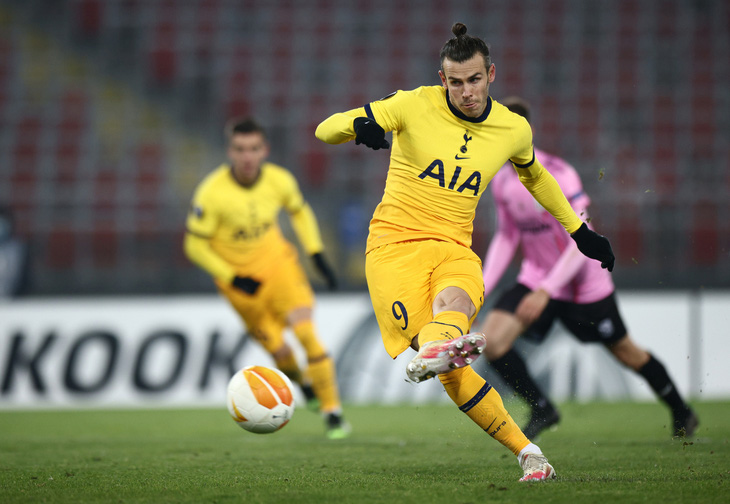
462	47
458	29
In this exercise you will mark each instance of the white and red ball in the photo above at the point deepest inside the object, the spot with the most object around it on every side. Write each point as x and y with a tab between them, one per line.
260	399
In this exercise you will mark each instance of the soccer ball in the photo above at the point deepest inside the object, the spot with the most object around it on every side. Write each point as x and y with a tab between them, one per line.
260	399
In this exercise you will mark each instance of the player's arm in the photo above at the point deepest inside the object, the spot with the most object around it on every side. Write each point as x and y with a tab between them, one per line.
367	125
339	128
198	250
571	260
344	126
545	189
501	250
564	269
201	224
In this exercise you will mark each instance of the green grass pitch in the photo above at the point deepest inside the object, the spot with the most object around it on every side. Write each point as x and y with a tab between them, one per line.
602	452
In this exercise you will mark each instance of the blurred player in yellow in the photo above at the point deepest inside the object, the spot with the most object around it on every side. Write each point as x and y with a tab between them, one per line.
424	280
234	235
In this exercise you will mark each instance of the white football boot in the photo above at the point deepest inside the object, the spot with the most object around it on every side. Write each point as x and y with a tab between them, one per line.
442	356
536	467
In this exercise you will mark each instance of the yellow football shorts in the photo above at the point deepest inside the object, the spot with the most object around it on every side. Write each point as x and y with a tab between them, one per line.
404	279
284	288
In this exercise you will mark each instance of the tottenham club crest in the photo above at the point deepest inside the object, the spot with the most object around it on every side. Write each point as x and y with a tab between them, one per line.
463	148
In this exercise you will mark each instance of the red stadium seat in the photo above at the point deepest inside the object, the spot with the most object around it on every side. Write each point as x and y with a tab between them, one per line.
163	52
70	132
23	173
589	114
105	190
513	77
549	121
316	166
629	235
67	163
104	245
148	176
163	65
74	104
704	233
60	250
88	17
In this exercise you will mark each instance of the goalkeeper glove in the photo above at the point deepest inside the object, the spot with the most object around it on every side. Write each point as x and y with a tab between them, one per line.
246	284
325	270
594	245
368	132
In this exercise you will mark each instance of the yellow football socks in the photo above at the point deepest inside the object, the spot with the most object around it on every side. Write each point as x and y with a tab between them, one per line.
287	363
445	325
304	331
471	393
321	369
324	382
484	406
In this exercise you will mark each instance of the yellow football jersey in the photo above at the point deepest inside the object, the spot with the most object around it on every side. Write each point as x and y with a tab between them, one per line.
441	162
240	224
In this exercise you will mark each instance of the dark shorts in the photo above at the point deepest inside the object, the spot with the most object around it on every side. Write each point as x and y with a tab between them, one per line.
598	322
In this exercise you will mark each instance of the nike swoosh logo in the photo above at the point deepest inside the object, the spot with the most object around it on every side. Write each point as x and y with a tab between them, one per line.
457	157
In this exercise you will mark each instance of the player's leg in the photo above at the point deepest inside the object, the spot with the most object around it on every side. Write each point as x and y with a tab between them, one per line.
266	328
502	328
286	361
601	322
483	404
293	299
320	365
472	394
268	331
443	344
458	286
656	375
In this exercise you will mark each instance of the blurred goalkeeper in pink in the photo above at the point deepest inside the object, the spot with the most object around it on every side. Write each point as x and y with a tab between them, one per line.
556	282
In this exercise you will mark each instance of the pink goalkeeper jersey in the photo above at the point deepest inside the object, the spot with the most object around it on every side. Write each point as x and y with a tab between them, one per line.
551	259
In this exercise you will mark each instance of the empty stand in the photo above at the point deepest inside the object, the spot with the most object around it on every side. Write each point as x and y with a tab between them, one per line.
113	111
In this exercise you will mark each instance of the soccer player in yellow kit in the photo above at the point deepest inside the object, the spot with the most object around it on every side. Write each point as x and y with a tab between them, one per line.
424	280
234	235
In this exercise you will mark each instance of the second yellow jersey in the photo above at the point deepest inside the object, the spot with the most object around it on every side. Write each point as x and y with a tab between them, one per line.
241	223
441	162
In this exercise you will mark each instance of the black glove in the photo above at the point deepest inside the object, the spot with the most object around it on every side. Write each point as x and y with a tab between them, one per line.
246	284
595	246
368	132
325	270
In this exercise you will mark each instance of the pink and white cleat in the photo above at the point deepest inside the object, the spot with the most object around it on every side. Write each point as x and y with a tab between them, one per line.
442	356
536	467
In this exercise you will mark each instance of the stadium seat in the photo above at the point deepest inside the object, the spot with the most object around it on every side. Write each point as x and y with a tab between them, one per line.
104	245
60	250
88	17
704	235
105	191
148	175
629	236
